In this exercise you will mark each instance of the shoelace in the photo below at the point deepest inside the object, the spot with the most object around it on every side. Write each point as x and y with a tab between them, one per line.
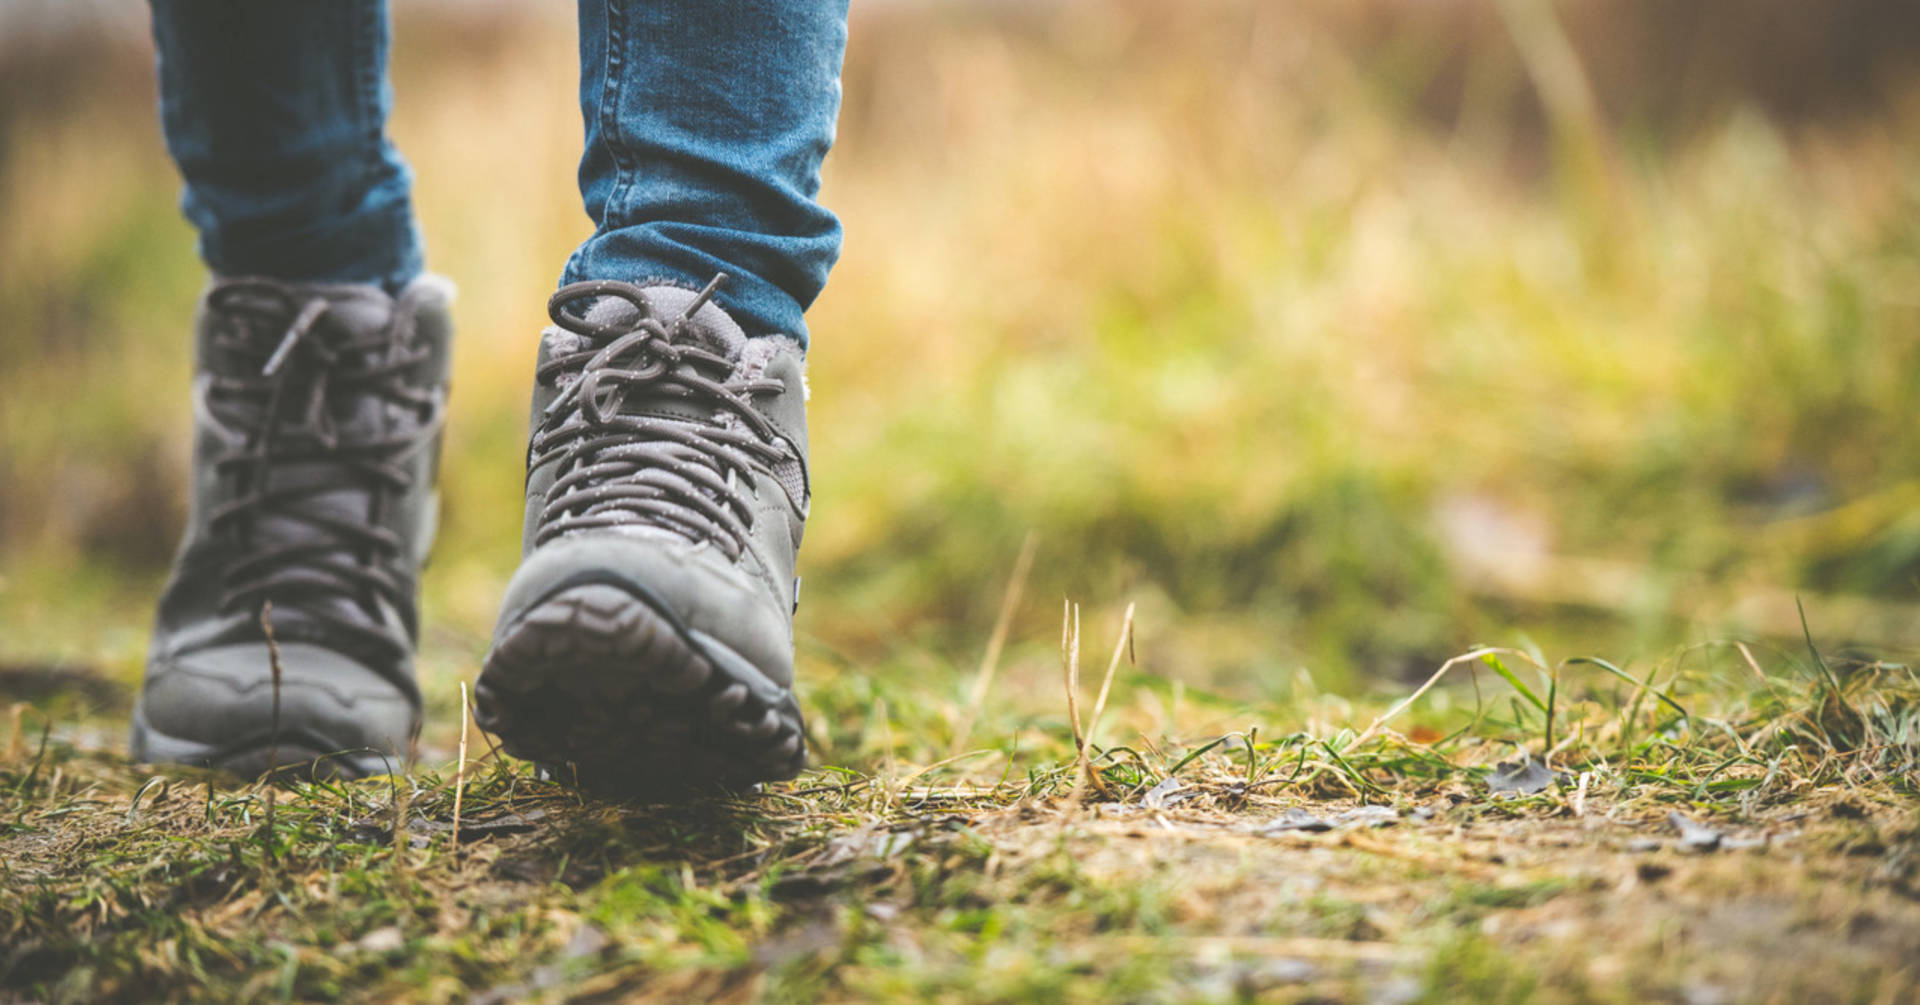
616	469
338	557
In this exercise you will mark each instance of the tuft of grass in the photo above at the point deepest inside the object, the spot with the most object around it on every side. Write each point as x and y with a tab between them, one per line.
1008	875
1314	377
1324	384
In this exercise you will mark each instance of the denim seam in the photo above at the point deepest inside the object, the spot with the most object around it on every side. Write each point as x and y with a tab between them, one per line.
367	60
372	49
612	96
367	64
366	84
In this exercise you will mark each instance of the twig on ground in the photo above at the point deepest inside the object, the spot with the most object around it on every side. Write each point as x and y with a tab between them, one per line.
493	749
889	768
989	663
273	734
460	769
1401	706
1070	655
402	797
273	667
39	757
1121	646
1261	946
15	747
1752	664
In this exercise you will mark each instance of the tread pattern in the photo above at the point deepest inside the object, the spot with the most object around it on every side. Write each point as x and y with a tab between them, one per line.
601	689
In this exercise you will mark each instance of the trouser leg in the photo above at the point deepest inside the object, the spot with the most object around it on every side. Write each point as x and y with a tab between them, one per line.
276	114
706	124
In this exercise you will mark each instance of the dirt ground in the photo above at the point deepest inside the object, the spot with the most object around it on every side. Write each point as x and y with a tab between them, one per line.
1293	869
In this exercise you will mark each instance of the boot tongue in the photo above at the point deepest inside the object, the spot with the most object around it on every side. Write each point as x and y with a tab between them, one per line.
709	328
359	309
352	310
323	488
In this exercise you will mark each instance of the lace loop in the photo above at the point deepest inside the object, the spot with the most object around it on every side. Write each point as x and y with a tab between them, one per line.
615	467
297	552
295	333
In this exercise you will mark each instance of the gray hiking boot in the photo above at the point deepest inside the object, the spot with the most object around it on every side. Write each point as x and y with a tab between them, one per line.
645	646
317	417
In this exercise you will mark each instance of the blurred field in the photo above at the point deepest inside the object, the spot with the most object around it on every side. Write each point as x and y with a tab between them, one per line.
1322	332
1338	337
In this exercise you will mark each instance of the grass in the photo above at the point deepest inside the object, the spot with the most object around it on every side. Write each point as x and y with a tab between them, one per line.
1334	365
999	876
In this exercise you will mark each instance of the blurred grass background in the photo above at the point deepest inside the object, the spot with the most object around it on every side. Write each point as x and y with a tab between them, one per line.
1340	336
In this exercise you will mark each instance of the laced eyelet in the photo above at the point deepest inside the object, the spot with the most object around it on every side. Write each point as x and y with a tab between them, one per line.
327	556
614	468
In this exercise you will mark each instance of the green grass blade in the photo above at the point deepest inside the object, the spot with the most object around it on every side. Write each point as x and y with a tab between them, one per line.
1629	678
1493	660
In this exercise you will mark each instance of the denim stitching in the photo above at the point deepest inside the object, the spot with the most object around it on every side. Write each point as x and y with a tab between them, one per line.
372	48
367	64
612	96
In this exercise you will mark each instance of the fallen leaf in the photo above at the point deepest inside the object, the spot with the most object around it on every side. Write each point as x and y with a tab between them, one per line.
589	940
1296	819
1525	776
1368	816
1165	794
1693	836
378	942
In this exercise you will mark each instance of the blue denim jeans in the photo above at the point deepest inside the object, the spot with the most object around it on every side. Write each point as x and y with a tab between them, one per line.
706	124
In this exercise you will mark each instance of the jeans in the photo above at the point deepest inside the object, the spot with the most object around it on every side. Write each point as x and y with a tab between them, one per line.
706	124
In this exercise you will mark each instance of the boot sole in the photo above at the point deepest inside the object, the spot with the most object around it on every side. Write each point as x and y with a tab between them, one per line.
295	753
605	691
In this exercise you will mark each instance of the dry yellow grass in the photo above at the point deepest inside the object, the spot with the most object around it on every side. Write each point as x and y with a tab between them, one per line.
1330	379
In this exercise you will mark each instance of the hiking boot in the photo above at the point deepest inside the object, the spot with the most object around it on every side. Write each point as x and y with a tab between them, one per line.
645	646
317	417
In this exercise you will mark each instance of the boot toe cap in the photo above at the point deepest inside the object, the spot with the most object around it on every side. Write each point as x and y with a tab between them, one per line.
703	592
215	707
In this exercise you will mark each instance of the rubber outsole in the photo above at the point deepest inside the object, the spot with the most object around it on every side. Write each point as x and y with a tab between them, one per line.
603	690
295	754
